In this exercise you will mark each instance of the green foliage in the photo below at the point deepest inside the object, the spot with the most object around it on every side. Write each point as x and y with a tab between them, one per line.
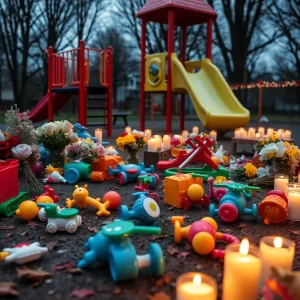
55	142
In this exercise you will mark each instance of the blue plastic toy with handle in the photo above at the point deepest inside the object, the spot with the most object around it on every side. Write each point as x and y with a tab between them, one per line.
113	246
233	204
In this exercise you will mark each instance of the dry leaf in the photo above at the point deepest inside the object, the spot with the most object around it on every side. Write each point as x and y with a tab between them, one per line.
33	275
187	247
172	250
158	237
7	227
295	232
51	245
8	235
159	296
32	224
24	233
184	255
8	289
117	291
93	229
242	225
84	293
165	279
63	266
75	271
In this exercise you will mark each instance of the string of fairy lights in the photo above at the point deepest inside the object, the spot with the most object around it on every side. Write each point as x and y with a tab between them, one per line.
265	84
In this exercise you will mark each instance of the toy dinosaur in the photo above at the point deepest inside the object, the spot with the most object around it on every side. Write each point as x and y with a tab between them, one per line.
52	175
81	197
82	132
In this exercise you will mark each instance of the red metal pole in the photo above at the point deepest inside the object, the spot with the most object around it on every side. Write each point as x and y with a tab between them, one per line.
169	86
259	113
50	84
209	38
110	89
82	99
143	67
183	55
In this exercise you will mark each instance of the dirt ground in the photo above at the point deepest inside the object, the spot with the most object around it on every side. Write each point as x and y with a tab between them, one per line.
67	249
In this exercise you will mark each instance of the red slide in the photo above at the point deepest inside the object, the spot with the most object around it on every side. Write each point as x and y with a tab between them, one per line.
40	111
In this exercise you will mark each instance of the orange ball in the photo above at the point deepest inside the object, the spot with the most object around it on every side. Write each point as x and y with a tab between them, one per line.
195	192
203	243
44	199
215	159
27	210
114	199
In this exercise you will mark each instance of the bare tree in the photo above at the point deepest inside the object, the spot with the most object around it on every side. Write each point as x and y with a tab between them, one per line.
17	19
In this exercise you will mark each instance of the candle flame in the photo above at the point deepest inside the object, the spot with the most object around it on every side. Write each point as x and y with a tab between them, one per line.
278	242
244	247
197	279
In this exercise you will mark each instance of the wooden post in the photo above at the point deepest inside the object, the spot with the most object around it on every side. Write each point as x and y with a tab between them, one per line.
50	84
82	97
142	86
209	39
183	56
259	105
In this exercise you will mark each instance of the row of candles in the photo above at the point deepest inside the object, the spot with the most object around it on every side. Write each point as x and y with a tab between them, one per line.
251	134
245	269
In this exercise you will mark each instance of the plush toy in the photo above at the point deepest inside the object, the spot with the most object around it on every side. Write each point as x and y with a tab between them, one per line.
53	176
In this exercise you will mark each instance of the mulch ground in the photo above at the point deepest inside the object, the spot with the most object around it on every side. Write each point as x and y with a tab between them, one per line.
65	250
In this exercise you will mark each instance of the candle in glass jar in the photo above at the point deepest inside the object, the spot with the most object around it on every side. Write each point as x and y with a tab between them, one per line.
98	135
270	132
196	129
251	133
148	133
275	251
166	144
152	145
185	135
280	182
128	129
293	194
213	135
261	131
287	135
196	286
241	271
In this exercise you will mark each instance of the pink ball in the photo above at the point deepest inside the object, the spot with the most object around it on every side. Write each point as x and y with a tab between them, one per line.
114	199
200	226
36	168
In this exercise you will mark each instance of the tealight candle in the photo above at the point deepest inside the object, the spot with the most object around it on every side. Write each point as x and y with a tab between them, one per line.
293	194
287	135
196	286
280	134
241	271
98	135
152	145
275	251
261	131
280	182
148	133
185	135
196	129
166	144
128	129
213	135
251	133
270	132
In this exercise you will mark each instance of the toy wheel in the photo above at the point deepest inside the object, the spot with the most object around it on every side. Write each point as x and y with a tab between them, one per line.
219	193
155	197
228	212
157	259
254	212
51	228
42	215
72	176
71	227
212	210
121	179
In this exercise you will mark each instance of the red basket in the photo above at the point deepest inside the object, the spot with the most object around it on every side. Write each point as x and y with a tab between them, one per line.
9	180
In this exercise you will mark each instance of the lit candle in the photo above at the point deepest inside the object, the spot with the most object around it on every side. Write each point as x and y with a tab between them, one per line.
287	135
280	133
261	131
251	133
241	271
298	177
148	133
275	251
128	129
98	135
293	194
158	140
185	135
152	145
196	129
196	286
166	145
237	133
213	135
257	135
280	182
243	133
270	132
110	148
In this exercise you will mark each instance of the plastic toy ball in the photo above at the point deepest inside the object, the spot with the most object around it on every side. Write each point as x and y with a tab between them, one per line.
27	210
113	198
44	199
195	192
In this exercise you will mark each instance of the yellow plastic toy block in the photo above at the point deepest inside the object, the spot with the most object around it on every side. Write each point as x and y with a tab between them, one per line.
175	188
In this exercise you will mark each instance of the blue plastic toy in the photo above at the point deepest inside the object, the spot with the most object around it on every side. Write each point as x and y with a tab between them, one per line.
112	245
144	210
130	172
44	159
73	172
82	132
233	204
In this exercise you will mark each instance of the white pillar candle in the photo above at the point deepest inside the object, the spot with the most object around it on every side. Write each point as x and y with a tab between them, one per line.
280	134
287	135
213	135
152	145
280	182
237	133
293	194
298	177
148	133
196	129
241	272
185	135
243	133
128	129
98	135
275	251
166	145
270	132
251	133
261	131
196	286
257	135
158	140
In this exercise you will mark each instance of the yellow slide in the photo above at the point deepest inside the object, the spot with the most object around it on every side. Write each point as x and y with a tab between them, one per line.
215	103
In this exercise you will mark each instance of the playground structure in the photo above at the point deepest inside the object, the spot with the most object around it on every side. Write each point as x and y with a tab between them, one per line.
69	74
214	102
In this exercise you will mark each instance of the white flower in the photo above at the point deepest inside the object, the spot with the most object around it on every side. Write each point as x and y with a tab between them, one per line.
37	133
2	137
266	150
50	129
72	136
138	134
59	125
67	126
21	151
219	154
261	172
281	149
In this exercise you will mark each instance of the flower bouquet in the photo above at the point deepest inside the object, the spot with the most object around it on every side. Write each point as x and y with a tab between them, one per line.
262	142
132	143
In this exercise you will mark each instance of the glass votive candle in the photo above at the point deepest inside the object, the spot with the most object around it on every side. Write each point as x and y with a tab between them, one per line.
293	195
242	268
196	286
275	251
280	182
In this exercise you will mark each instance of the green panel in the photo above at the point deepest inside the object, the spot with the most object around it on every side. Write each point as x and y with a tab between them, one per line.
10	206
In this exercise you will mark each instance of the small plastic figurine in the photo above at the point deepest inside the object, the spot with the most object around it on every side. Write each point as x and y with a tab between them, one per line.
112	246
274	207
145	209
148	182
65	219
48	192
202	235
82	132
24	253
82	198
53	176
